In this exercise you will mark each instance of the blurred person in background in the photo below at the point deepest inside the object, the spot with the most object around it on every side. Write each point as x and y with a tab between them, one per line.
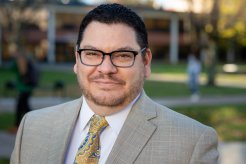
27	74
114	121
193	70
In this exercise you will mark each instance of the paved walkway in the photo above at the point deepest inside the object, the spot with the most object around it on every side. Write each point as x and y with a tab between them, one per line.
7	141
8	104
221	79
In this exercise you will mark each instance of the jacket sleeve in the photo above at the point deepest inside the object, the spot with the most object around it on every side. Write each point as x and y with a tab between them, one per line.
16	154
205	150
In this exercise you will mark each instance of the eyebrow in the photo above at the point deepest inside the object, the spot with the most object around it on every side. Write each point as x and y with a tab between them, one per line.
118	49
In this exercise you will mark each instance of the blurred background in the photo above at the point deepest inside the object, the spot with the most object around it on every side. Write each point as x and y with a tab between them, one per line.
212	31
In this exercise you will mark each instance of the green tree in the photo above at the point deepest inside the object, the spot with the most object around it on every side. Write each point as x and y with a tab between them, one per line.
206	45
232	25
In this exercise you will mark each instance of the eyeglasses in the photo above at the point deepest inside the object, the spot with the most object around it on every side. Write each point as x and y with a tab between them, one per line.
121	58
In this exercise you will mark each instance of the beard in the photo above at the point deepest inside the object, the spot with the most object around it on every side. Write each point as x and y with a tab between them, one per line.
117	98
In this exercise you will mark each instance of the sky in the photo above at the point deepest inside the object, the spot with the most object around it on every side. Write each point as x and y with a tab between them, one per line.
173	5
170	5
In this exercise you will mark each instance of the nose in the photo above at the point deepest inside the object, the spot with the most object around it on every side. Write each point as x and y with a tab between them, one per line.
107	67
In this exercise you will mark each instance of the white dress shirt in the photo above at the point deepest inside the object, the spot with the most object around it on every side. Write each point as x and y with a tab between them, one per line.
107	137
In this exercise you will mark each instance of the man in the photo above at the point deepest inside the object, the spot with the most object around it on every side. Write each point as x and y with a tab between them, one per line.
112	61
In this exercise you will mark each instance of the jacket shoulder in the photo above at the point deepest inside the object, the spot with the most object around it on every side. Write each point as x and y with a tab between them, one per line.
52	110
48	115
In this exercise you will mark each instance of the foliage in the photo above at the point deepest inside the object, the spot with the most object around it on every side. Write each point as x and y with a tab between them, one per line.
229	121
4	161
133	2
232	23
6	120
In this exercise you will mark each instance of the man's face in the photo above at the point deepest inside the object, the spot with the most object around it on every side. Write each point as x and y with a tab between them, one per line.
107	85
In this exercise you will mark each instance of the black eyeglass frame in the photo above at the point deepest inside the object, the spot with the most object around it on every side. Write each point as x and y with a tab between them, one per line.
135	53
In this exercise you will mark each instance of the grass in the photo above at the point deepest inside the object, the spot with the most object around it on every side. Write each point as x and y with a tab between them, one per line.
229	121
163	89
4	161
159	67
171	89
6	120
46	83
153	88
47	77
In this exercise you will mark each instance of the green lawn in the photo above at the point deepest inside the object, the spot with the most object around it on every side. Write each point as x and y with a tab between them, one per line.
169	89
4	161
6	120
229	121
159	67
152	88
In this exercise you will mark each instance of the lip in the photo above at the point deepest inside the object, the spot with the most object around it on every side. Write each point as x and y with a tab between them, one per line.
107	83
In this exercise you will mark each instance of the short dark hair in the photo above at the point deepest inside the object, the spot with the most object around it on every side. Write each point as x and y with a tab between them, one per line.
116	13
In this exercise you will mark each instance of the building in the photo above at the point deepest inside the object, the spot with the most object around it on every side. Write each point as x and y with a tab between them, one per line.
53	38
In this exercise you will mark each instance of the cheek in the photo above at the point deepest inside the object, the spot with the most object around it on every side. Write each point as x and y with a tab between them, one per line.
84	72
134	75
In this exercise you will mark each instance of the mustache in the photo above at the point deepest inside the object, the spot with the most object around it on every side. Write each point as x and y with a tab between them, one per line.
108	77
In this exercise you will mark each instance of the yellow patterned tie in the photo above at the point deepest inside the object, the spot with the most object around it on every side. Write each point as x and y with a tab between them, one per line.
89	150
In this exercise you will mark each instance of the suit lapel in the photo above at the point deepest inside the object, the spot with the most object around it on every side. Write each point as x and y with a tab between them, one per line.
62	130
135	132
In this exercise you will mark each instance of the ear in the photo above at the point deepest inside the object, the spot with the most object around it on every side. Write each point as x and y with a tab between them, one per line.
147	63
75	67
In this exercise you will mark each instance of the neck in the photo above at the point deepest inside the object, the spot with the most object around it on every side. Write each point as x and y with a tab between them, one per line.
105	110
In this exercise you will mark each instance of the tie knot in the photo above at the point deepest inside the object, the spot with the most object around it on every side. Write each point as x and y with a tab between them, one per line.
98	124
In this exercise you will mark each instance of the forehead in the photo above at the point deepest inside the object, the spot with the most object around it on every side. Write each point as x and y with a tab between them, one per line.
109	35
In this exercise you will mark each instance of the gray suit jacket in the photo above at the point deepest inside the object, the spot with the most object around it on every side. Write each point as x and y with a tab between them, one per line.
151	134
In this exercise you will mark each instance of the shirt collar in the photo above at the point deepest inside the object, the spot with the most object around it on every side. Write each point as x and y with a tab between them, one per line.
115	121
85	114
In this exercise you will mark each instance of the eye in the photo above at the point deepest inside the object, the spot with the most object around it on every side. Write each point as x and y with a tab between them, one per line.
123	55
91	53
